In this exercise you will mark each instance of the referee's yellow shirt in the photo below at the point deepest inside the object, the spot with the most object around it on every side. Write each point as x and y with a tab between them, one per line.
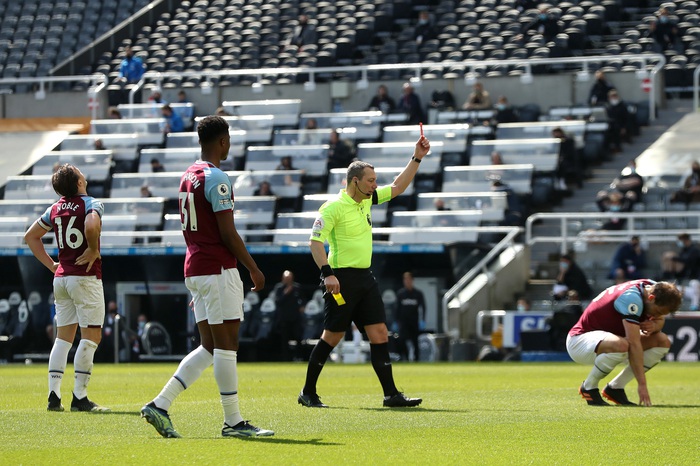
347	226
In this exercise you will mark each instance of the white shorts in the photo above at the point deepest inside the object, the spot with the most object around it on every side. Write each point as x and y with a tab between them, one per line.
581	348
79	300
217	297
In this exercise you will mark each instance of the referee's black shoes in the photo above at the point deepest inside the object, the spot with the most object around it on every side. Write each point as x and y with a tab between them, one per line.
401	401
310	401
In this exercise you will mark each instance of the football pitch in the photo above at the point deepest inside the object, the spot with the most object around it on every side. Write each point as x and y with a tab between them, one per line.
472	413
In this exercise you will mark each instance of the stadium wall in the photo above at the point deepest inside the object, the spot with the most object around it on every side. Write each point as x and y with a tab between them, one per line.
546	90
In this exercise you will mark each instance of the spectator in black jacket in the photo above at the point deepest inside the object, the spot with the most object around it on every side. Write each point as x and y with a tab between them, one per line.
683	265
619	121
505	113
424	30
340	152
544	24
599	90
381	101
571	277
628	262
664	30
410	103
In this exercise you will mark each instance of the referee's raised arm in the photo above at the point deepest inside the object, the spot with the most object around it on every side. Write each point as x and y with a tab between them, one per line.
409	172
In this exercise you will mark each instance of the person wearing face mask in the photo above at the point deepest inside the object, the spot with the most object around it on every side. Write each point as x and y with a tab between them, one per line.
505	113
544	24
691	187
615	202
424	30
619	121
571	277
523	304
663	30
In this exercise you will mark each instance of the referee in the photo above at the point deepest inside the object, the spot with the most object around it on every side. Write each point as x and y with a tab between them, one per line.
346	223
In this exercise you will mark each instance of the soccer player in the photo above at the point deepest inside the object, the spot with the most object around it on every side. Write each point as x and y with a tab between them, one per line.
347	225
623	323
214	248
76	220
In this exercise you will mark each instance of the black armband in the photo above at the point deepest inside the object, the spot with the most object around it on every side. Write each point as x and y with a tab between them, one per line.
326	271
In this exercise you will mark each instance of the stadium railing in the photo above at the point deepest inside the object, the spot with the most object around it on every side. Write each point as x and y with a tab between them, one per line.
95	164
542	153
479	178
309	158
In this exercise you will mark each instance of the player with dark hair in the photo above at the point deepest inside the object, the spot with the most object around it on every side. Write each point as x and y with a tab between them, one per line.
623	323
214	248
346	223
76	220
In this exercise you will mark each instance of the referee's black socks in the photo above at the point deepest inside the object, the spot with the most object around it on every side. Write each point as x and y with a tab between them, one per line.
381	362
319	356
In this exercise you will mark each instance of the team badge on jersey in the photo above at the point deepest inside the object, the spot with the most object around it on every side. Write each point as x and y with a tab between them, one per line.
633	309
223	189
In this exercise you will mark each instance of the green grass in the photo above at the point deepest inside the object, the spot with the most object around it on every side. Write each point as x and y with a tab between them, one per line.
472	413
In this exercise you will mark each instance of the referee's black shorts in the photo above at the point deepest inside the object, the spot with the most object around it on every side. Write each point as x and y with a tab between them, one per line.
363	302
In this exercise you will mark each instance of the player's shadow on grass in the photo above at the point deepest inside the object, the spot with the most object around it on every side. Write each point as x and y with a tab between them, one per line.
289	441
409	409
119	413
676	406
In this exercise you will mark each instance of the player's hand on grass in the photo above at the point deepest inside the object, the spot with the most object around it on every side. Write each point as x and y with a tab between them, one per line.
88	257
644	399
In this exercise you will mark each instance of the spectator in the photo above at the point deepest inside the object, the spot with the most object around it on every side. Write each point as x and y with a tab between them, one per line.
381	101
221	111
424	30
663	29
523	304
173	122
156	166
340	151
131	68
563	320
156	97
410	313
544	24
691	187
618	120
289	305
505	113
264	189
683	265
630	183
113	113
479	99
496	158
567	165
439	204
186	112
285	163
613	201
309	136
304	33
515	211
99	145
410	104
571	277
105	351
146	191
599	90
628	262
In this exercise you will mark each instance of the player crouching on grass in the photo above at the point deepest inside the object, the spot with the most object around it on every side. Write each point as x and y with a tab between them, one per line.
623	322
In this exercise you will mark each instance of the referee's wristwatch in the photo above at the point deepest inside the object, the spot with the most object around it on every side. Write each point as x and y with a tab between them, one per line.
415	159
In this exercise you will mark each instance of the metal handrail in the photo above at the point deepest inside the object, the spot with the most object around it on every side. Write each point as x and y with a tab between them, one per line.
564	238
452	293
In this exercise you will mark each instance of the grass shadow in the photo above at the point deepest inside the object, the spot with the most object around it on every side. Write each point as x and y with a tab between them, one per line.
676	406
289	441
408	409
